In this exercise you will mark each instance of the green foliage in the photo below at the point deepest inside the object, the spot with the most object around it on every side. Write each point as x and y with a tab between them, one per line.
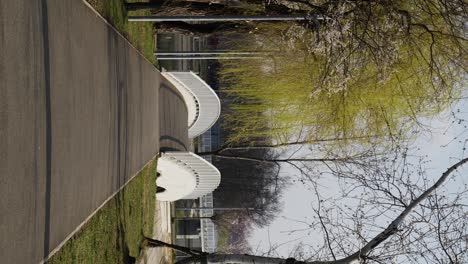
369	73
114	234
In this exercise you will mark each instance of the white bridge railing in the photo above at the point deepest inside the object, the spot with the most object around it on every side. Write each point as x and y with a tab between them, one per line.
208	228
202	102
185	175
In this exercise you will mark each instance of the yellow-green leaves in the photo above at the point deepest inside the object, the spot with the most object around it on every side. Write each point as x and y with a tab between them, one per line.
368	73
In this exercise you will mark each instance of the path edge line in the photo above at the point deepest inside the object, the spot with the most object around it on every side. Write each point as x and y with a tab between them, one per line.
80	226
118	32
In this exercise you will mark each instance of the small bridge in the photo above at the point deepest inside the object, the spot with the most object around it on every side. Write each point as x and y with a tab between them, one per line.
203	104
184	175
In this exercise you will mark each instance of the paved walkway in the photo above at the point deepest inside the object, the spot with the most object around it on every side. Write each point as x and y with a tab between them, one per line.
79	112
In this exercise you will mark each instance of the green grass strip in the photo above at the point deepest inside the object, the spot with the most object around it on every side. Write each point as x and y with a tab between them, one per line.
114	234
140	34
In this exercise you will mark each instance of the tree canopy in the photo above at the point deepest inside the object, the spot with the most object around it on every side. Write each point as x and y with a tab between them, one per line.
370	69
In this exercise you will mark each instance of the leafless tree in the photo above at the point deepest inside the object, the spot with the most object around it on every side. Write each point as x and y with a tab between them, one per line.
387	213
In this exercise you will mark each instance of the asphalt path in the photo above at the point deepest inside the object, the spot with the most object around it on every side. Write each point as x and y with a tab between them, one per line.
81	112
172	108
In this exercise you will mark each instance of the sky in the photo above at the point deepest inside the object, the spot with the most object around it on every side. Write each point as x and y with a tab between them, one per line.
443	147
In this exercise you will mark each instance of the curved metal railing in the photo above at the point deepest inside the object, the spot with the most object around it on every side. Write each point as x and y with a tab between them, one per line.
202	102
185	175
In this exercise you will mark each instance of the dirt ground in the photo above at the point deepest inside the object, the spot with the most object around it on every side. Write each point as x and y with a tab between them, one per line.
162	231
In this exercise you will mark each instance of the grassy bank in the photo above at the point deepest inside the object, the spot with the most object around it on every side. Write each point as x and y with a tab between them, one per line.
140	34
114	234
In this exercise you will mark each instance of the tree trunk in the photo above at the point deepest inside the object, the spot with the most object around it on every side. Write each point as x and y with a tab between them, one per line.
193	8
143	6
392	228
193	218
182	8
212	9
246	259
225	148
149	242
203	29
